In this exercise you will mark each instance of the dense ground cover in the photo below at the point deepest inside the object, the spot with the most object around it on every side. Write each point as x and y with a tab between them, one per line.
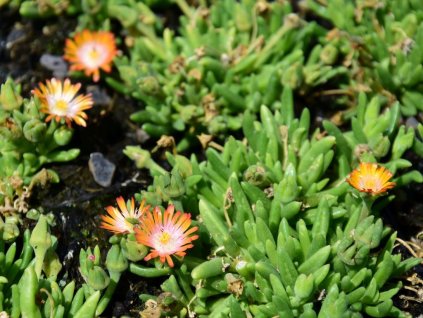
228	194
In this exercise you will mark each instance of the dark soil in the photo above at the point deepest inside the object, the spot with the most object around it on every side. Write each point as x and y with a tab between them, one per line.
77	201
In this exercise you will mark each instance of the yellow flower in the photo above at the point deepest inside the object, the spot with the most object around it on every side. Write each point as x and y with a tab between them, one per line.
371	178
167	233
122	221
58	101
90	52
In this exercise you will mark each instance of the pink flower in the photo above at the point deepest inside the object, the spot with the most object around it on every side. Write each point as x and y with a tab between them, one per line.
167	233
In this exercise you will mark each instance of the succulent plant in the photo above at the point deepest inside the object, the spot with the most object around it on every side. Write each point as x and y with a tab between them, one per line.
97	279
285	224
381	43
27	143
223	60
282	233
28	279
91	14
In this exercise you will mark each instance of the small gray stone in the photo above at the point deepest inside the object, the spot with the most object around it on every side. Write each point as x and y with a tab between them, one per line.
411	122
54	63
101	169
100	96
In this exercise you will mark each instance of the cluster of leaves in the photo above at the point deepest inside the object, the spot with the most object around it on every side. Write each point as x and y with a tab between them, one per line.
26	144
28	280
222	60
381	42
280	224
281	231
90	14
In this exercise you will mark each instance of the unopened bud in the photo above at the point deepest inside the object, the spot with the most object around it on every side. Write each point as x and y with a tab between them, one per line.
9	95
257	175
115	260
293	76
329	54
133	250
63	135
34	130
97	278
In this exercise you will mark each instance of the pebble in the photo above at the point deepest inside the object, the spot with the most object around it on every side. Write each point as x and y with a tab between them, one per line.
412	122
54	63
101	169
100	96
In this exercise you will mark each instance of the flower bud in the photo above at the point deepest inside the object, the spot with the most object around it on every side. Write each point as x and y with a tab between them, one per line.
381	148
293	76
115	260
97	278
9	95
10	230
329	54
63	135
150	85
176	187
34	130
257	175
133	250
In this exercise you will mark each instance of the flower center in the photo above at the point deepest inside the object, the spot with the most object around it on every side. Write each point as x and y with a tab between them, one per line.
61	105
370	182
94	54
164	238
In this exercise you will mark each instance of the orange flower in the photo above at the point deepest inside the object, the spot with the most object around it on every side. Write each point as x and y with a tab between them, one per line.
90	52
58	101
371	178
167	233
122	221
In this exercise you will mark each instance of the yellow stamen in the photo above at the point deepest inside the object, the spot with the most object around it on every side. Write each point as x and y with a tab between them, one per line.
94	54
164	238
61	105
370	182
